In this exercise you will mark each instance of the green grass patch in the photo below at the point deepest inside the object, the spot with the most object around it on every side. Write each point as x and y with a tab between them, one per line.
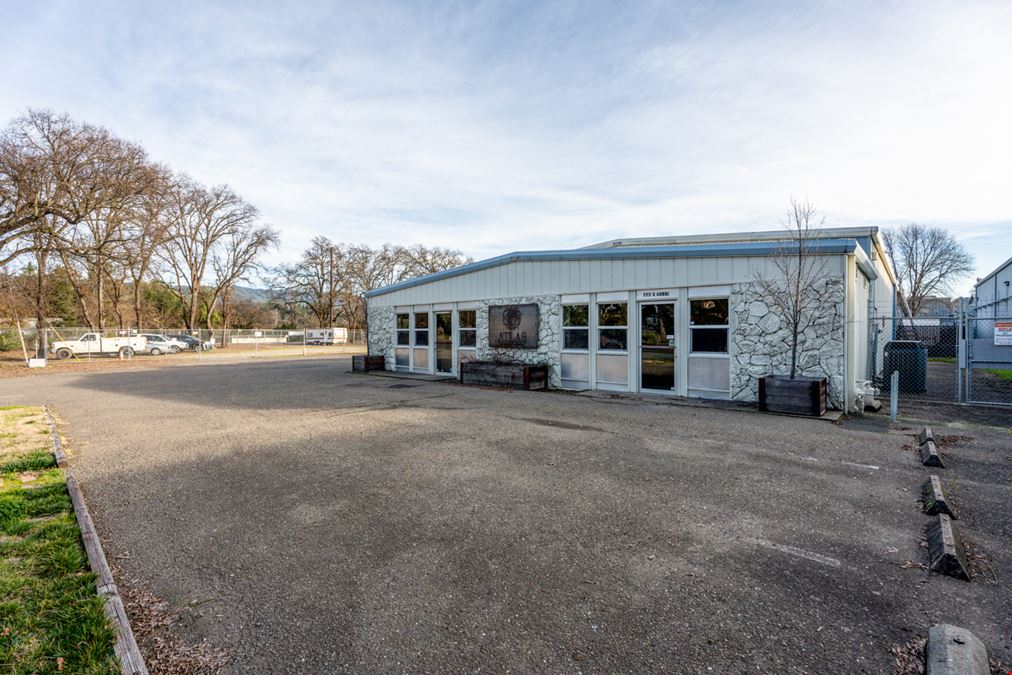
50	614
1002	373
28	461
942	359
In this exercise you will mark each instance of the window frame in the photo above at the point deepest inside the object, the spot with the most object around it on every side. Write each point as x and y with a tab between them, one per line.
585	328
726	327
461	329
398	330
602	327
415	330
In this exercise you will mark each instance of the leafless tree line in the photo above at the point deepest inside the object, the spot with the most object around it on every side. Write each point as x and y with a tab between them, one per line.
326	286
91	211
77	197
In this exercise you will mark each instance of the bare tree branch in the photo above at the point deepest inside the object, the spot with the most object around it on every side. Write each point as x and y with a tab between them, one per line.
793	290
927	262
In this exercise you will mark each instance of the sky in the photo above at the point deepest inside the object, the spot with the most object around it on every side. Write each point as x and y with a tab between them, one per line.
499	126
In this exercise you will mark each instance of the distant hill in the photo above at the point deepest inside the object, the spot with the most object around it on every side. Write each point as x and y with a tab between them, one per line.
251	294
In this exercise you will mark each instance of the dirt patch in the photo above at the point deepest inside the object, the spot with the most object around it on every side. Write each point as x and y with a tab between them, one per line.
979	563
24	430
909	656
152	619
947	440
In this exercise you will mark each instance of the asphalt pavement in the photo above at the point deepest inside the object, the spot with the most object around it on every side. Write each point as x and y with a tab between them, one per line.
312	520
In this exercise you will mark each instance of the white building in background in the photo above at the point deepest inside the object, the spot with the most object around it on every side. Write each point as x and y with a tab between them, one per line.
992	296
681	316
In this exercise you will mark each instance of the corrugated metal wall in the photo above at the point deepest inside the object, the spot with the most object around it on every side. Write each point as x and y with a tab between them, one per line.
582	276
994	298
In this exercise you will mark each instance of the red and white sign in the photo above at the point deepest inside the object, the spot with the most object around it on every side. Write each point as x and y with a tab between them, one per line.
1003	333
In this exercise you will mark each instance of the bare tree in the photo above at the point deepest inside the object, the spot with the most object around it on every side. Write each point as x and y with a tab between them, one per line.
927	261
77	192
794	289
420	260
200	219
148	229
236	258
313	282
30	193
110	183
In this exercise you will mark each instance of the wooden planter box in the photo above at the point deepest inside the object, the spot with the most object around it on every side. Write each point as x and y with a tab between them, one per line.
800	396
363	364
508	375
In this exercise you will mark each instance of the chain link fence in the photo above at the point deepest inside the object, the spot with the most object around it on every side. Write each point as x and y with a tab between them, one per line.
68	343
989	360
954	359
925	352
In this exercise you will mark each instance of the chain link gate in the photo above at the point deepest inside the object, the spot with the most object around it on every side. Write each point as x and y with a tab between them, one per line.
988	360
950	359
925	351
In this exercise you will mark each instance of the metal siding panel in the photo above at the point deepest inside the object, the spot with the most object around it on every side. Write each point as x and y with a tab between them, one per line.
550	277
670	274
694	271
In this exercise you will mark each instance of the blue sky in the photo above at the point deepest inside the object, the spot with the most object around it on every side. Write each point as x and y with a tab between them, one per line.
499	126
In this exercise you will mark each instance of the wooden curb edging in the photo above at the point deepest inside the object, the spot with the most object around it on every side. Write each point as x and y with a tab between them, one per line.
130	660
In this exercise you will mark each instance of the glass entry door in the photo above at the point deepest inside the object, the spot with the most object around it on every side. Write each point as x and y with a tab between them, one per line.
444	342
657	346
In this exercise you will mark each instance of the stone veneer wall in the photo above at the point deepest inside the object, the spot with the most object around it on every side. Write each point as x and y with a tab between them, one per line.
549	334
761	342
382	333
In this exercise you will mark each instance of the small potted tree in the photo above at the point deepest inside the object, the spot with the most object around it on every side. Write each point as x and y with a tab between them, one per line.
795	297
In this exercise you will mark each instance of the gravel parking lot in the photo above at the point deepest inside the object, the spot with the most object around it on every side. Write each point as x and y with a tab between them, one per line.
312	520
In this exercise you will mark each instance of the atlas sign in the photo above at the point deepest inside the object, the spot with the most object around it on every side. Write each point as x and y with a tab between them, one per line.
513	326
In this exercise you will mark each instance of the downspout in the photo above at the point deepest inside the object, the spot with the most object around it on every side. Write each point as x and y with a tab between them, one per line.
849	271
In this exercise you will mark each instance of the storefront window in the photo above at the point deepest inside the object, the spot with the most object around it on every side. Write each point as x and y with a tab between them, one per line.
575	331
422	329
403	329
612	320
467	318
708	318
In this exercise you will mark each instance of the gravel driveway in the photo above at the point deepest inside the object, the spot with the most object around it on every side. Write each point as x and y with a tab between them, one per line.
315	521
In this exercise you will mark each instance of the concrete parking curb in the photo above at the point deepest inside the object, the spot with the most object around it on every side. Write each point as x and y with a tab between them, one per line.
955	651
945	549
930	456
129	655
934	498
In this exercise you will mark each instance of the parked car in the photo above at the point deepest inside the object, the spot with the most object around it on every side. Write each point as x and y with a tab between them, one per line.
95	343
162	344
193	343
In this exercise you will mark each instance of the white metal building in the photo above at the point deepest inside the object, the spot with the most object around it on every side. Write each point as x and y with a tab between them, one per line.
992	296
675	315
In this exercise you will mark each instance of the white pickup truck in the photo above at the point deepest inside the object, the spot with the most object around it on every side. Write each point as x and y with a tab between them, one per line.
95	343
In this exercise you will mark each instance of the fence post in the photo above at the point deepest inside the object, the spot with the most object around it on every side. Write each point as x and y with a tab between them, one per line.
304	334
960	352
894	394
